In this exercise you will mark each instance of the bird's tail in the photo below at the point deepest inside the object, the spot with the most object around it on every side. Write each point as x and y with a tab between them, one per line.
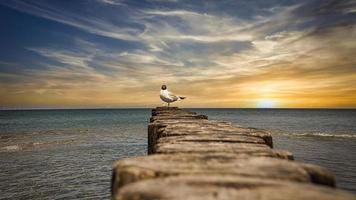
181	98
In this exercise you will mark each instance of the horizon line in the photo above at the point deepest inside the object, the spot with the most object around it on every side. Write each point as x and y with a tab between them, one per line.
132	108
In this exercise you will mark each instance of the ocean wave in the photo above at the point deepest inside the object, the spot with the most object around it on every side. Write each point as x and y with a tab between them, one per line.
11	148
31	145
17	137
325	135
59	132
5	137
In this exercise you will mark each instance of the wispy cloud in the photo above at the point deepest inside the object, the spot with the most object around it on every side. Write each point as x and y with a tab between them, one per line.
89	22
296	54
113	2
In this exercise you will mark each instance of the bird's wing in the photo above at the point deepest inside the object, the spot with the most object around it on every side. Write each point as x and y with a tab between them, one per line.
173	96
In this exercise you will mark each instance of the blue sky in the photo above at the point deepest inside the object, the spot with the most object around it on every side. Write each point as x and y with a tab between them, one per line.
218	53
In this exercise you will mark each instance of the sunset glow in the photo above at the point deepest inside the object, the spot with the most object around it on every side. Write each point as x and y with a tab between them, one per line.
266	103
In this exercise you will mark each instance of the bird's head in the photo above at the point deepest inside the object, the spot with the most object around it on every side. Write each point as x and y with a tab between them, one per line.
164	87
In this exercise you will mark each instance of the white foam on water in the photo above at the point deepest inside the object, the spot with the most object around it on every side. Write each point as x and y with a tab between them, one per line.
326	135
31	145
11	148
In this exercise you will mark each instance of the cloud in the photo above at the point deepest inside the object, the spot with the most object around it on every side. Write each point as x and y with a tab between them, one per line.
177	25
297	54
85	21
112	2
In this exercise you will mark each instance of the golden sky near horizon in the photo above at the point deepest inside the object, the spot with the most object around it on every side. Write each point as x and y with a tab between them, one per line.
283	57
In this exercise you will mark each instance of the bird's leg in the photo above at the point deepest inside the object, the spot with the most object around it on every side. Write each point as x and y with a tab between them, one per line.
168	105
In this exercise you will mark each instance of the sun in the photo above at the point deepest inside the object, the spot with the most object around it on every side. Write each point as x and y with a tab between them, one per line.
266	103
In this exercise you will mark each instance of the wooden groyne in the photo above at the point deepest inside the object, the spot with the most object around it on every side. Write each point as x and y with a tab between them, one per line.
191	157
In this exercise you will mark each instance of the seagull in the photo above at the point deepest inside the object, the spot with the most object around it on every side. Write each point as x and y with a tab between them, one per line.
169	97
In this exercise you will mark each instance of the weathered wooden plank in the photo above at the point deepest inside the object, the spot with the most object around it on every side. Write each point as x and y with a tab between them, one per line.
154	166
212	187
218	137
178	116
200	127
211	147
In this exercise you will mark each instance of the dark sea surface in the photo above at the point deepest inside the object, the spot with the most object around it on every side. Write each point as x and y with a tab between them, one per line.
68	154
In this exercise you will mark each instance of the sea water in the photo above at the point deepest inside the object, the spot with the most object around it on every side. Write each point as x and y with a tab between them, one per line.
68	154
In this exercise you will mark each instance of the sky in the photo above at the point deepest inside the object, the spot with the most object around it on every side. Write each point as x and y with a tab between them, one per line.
233	53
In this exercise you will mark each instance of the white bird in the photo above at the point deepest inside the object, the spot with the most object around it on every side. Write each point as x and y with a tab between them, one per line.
169	97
